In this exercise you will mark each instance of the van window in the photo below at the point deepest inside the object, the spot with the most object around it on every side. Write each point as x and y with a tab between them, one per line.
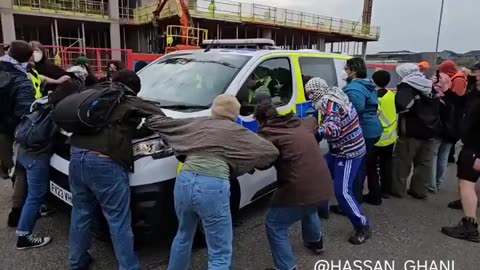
272	77
324	68
190	82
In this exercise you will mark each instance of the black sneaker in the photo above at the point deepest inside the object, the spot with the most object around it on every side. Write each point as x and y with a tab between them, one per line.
14	217
4	172
457	205
337	210
360	235
26	242
46	211
373	200
316	247
415	195
467	229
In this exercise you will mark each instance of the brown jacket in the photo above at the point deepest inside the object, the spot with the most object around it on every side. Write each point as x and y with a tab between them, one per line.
218	137
302	172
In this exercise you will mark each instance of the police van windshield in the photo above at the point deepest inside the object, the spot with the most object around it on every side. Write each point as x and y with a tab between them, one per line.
190	81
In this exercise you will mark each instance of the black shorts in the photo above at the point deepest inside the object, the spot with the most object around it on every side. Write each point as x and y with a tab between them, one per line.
465	162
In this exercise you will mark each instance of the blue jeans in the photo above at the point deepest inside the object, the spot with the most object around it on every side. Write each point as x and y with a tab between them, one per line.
204	198
441	165
344	172
38	172
95	179
279	220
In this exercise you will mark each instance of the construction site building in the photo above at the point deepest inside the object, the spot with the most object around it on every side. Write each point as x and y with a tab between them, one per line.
127	24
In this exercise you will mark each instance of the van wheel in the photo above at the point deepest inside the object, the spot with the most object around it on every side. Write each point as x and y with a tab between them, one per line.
200	240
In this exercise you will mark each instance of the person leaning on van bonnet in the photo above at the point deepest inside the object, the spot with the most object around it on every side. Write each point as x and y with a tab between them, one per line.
14	63
108	155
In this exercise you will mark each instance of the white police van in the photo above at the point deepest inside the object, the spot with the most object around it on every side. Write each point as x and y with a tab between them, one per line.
186	83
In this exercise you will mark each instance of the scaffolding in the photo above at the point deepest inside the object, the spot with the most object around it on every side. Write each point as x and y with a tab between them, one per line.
77	8
231	11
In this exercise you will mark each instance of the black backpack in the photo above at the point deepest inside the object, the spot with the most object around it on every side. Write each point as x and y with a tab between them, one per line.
36	129
88	112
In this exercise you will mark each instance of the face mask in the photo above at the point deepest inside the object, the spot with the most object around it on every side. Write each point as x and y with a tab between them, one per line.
37	56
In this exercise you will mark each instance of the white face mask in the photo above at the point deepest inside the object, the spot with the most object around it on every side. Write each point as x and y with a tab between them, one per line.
37	56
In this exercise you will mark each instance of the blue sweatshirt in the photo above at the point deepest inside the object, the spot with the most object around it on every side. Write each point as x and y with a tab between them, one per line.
363	95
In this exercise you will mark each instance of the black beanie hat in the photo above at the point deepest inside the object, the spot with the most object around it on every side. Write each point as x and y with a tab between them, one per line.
21	51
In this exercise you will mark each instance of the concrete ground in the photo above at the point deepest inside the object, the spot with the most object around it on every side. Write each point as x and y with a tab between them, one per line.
404	230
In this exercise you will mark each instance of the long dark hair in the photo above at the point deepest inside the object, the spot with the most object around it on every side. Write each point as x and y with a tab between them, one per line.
358	66
264	112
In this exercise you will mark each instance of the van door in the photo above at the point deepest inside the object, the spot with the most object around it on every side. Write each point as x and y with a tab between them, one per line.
328	69
275	77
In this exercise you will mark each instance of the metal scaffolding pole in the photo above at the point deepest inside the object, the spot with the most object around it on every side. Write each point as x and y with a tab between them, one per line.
439	31
84	40
57	40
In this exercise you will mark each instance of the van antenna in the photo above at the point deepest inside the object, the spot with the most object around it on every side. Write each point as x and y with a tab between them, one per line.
209	47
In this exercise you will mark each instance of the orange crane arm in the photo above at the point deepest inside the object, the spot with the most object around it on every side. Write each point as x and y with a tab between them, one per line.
185	19
160	6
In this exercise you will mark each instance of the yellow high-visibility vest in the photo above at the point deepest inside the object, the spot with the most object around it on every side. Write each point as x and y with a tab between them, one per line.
388	118
37	83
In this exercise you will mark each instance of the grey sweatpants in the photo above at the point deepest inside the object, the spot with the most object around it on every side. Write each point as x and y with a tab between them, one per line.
420	154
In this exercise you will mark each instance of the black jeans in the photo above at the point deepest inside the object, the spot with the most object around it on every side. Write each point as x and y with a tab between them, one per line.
379	171
362	174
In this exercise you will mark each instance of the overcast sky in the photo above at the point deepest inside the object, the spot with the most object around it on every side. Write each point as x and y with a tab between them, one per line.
405	24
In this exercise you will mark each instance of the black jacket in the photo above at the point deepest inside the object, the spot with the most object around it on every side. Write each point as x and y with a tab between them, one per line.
115	140
470	124
22	96
418	115
48	69
452	115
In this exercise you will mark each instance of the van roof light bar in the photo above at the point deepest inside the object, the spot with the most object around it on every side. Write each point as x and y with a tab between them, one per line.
259	43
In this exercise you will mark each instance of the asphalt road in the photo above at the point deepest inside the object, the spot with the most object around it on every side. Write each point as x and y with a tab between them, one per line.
403	230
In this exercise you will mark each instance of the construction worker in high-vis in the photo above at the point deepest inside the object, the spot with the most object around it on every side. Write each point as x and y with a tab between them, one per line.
379	184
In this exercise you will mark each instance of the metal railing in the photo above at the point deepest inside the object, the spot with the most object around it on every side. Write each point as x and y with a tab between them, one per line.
78	8
262	14
190	35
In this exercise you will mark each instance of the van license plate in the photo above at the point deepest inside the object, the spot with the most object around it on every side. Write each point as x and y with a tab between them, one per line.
61	193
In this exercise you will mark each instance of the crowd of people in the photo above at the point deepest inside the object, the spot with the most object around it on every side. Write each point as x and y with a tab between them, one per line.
373	133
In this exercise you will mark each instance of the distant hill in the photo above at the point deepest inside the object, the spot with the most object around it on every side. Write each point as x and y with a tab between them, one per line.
462	59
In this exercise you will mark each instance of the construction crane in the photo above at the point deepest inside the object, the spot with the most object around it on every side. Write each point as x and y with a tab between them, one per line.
185	18
367	12
366	21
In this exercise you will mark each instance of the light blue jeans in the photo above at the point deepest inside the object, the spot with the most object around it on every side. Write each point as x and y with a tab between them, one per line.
441	165
38	171
100	180
279	220
206	199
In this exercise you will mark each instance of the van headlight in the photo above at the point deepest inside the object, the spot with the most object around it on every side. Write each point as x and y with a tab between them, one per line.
156	148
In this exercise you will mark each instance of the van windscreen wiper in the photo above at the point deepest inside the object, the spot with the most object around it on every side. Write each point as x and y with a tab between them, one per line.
185	107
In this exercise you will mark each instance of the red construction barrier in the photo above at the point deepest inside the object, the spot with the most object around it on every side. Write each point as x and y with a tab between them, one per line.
98	57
